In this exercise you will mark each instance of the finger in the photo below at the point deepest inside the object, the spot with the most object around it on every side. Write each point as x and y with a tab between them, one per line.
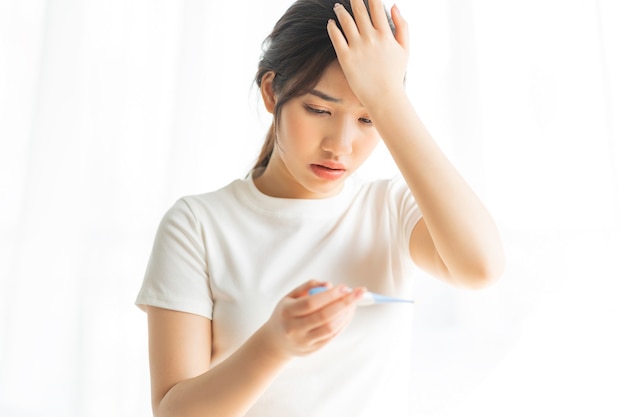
306	306
379	16
303	290
333	307
347	23
323	334
361	16
310	329
402	27
336	37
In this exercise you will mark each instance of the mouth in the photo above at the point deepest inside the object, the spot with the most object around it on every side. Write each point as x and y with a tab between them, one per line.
328	171
330	164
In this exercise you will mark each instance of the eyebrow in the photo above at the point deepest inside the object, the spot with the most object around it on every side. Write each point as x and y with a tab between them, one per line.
325	96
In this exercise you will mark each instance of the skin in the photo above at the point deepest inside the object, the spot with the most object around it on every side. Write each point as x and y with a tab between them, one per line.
316	130
461	246
457	239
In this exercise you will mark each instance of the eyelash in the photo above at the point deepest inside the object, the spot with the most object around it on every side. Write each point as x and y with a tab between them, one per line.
320	112
315	111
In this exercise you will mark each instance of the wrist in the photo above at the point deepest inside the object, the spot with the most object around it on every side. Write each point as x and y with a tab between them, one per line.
385	102
268	349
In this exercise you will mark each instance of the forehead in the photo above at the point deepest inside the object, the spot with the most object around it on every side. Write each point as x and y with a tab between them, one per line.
333	84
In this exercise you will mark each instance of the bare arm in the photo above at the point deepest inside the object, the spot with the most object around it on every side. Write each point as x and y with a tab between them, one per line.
185	385
456	239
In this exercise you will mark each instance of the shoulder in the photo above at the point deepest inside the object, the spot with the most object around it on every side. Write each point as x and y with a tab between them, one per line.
191	213
382	190
392	196
198	205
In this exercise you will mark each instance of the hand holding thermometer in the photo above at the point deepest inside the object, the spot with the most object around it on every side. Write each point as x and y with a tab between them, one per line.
368	298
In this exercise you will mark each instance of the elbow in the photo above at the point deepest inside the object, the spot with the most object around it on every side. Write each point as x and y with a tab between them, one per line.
482	274
490	268
482	280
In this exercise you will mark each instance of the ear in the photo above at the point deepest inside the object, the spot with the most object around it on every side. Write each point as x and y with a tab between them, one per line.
267	91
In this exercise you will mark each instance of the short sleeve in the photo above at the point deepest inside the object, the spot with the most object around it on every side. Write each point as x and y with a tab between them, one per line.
176	277
403	208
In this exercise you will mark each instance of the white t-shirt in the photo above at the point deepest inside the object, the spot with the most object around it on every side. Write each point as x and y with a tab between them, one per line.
232	254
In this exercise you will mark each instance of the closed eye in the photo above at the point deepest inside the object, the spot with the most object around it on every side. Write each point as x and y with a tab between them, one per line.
315	110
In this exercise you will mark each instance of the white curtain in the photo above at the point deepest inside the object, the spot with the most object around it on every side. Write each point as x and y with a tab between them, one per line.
110	110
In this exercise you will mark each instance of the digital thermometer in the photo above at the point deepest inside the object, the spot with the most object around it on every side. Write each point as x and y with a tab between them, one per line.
368	298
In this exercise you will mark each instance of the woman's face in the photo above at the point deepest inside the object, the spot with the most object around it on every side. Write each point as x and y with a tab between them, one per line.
322	138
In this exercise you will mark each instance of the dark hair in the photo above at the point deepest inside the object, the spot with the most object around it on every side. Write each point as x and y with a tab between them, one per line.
298	50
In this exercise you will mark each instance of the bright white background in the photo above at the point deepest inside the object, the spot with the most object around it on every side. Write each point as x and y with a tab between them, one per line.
110	110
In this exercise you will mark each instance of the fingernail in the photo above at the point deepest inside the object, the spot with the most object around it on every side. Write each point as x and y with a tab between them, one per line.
344	289
336	6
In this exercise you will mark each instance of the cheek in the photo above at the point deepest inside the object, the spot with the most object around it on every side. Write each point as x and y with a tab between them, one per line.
295	131
368	143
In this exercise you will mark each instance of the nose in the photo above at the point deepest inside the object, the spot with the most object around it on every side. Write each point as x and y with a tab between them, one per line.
339	138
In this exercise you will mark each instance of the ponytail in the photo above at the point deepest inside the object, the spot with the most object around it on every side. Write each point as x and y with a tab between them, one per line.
267	149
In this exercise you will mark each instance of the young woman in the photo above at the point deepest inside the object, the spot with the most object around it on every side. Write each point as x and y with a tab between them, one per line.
233	330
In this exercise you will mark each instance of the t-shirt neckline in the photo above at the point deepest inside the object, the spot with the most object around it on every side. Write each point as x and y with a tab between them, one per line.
296	207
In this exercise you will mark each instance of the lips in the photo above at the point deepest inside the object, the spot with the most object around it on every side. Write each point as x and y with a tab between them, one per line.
331	165
328	170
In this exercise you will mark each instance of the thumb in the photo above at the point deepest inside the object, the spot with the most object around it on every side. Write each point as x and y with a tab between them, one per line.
303	290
